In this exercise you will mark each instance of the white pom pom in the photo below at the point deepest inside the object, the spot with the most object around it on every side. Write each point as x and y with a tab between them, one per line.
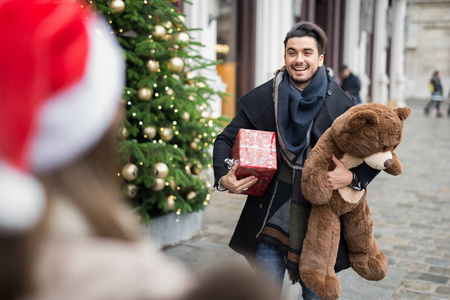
22	200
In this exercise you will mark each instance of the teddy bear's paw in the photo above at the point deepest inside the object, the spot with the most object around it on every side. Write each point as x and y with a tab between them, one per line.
326	287
374	268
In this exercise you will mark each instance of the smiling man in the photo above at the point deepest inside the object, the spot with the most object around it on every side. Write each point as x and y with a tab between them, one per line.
299	104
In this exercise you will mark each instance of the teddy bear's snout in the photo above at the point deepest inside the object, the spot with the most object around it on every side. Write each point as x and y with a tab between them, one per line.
388	163
380	160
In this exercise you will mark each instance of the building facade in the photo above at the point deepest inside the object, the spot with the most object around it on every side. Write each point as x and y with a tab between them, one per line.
380	40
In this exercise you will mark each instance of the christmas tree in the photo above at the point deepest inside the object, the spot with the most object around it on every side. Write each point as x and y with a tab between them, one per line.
169	127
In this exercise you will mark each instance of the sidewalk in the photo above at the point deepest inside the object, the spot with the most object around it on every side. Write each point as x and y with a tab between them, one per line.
410	212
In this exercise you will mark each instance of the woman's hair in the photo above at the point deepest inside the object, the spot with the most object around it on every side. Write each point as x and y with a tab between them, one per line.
302	29
91	183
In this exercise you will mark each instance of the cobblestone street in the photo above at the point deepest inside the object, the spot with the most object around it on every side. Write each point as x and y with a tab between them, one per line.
410	212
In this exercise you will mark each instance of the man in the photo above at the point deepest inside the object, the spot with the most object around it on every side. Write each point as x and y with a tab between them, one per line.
350	83
299	104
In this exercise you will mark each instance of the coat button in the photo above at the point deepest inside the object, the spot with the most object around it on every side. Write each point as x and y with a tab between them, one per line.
329	92
260	206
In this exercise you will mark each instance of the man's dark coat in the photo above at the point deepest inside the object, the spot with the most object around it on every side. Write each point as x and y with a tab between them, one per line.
257	112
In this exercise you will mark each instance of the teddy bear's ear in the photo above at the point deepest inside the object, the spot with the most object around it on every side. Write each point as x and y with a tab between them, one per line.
360	118
403	112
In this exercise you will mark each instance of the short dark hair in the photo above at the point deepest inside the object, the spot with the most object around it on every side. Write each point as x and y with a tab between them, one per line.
343	67
304	28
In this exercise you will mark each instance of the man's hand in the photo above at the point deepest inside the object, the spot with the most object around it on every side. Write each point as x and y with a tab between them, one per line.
340	177
237	186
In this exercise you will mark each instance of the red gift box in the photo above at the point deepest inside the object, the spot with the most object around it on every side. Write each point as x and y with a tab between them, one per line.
256	154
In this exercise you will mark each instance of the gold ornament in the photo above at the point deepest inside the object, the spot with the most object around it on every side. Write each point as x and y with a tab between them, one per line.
191	195
144	94
205	114
152	65
158	185
197	169
124	132
117	6
170	201
182	19
130	172
172	184
168	24
130	190
160	170
182	37
190	77
166	134
150	131
194	143
186	116
159	32
175	65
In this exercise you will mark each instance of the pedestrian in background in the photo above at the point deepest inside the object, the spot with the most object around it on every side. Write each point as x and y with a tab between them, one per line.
448	110
436	94
332	75
64	232
299	104
350	83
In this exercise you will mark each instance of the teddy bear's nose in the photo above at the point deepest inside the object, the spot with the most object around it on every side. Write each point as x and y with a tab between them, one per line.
388	163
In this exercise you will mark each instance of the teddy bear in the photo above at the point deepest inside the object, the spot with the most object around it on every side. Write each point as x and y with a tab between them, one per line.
365	133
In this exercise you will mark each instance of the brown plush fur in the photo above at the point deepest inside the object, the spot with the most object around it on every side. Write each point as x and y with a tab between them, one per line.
358	134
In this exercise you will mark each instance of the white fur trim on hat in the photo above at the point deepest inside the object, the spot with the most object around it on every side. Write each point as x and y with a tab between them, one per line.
22	200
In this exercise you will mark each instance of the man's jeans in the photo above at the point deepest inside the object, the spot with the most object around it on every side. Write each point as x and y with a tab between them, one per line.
274	263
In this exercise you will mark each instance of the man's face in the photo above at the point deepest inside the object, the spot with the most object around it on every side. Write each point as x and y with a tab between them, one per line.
302	59
345	73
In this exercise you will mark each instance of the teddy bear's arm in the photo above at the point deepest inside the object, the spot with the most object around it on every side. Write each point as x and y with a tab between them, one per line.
396	168
314	175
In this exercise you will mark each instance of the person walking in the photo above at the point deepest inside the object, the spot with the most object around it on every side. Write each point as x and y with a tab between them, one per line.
350	83
436	94
299	104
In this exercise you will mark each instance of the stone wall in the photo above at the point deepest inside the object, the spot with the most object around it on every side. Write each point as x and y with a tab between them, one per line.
427	46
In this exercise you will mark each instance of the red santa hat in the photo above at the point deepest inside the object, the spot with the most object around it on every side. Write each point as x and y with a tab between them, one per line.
61	78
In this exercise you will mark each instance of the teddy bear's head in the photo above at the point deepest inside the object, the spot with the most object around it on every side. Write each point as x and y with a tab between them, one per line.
370	132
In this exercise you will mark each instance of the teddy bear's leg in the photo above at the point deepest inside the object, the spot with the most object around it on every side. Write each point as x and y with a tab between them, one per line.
319	253
366	257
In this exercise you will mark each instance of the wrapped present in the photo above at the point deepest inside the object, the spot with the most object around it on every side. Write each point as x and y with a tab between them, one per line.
255	153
